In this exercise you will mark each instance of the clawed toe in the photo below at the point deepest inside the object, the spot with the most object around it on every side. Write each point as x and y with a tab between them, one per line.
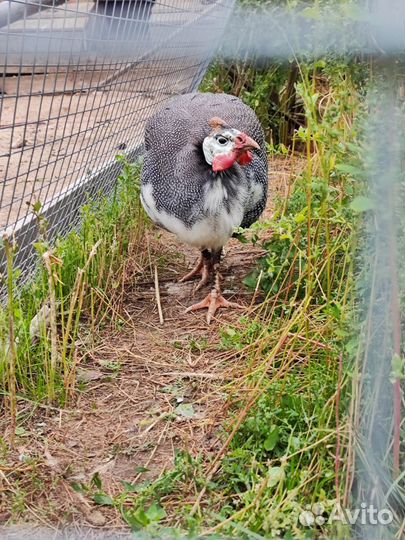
208	265
206	277
203	268
213	301
197	270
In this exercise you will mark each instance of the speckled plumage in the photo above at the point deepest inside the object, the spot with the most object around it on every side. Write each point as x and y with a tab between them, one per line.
179	189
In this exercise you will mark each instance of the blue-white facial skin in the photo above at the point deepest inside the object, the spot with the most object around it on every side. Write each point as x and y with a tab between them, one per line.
220	143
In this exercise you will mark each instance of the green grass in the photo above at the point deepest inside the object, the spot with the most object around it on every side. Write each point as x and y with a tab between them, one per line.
286	446
79	279
284	451
287	443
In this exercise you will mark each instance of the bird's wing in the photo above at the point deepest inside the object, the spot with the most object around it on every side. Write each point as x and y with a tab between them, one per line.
173	140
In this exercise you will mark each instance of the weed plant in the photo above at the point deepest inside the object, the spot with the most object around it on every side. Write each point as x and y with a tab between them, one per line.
79	277
284	453
286	447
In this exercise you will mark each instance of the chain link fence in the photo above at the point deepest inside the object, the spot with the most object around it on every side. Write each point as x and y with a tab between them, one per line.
78	81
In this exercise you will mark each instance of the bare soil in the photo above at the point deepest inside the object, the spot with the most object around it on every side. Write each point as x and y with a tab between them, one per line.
59	127
62	119
125	415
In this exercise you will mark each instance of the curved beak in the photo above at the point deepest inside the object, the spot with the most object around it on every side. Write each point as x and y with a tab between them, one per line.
244	142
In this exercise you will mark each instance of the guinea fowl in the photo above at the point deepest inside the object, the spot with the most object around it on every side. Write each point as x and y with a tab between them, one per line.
204	174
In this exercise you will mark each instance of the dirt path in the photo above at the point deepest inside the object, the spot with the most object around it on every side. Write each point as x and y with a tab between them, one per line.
128	414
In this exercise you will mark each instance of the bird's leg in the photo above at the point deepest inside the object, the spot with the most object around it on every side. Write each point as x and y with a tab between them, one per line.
204	268
214	299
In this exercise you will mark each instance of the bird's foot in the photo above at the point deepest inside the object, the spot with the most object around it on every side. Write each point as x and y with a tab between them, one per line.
204	269
197	270
213	301
205	277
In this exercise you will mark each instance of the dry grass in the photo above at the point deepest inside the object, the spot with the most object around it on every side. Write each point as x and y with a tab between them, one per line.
132	379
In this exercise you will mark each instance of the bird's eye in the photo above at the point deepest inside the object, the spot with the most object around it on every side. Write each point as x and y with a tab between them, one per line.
222	140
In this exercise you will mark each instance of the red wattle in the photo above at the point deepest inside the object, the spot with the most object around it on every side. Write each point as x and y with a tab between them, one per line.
223	162
245	158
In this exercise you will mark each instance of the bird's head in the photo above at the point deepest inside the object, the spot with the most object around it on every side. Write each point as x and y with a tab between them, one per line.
225	145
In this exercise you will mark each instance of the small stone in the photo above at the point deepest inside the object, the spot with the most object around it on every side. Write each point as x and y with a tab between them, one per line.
88	375
20	143
95	517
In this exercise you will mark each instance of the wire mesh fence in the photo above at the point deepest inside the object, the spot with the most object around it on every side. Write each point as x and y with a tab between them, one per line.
79	79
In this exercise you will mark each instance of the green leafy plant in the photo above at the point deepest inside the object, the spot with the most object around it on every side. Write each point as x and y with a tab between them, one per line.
42	321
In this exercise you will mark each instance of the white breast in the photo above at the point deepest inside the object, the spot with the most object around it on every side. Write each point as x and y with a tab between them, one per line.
210	232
